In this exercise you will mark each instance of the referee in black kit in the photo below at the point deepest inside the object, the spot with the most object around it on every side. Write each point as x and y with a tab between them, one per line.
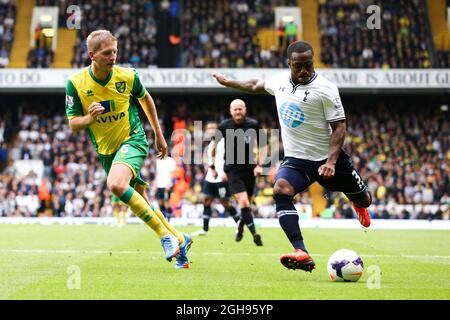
241	136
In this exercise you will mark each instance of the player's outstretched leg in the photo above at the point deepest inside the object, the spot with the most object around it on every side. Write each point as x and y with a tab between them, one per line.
288	218
141	190
182	261
142	209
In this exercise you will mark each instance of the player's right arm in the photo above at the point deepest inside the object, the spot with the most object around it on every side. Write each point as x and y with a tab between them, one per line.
251	86
78	121
82	122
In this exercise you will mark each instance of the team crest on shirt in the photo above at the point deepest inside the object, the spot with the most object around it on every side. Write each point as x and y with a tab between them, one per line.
120	86
69	101
337	103
291	114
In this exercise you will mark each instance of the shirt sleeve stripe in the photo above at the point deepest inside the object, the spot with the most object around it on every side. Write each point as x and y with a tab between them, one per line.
337	119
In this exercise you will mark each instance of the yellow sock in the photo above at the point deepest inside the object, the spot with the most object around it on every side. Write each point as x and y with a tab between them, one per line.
174	231
117	215
124	216
141	209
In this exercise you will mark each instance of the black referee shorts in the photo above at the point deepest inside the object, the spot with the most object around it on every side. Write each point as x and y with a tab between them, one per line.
216	190
241	180
163	194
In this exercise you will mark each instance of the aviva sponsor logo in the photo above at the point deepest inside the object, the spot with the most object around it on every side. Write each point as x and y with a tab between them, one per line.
110	118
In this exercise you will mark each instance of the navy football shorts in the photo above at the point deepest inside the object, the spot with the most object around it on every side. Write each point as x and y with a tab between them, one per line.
302	173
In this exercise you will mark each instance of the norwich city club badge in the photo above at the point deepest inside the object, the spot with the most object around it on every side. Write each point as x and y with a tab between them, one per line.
120	86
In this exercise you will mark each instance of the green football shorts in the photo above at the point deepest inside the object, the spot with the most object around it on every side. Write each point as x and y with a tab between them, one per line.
131	153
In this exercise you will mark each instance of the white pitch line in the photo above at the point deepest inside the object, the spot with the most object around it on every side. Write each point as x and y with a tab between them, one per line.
45	251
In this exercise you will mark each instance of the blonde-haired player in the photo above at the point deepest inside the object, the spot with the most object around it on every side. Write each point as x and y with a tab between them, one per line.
104	99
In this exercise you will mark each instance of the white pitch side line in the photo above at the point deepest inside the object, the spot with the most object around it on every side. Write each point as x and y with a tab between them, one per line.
43	251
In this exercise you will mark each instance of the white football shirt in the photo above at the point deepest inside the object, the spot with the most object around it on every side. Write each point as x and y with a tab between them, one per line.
304	112
219	162
164	171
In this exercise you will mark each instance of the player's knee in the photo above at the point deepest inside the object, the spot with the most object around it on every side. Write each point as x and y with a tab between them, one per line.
283	187
116	187
242	200
244	204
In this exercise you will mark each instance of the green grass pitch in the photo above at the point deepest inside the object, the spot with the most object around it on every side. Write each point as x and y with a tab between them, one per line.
51	261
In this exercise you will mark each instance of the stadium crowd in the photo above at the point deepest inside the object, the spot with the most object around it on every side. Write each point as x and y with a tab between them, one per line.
402	152
225	34
133	23
401	42
8	10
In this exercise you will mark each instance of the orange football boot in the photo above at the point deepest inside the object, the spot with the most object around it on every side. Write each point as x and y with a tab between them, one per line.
299	259
363	215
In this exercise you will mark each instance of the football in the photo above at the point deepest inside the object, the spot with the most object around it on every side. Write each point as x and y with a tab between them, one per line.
345	265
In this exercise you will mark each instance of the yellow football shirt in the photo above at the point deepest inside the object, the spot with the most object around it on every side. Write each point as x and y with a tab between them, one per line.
118	94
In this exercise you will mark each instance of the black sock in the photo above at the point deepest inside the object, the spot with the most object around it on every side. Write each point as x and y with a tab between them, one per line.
169	212
207	212
289	223
233	213
247	218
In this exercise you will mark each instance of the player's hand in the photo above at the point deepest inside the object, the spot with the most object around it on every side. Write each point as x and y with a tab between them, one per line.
220	78
161	146
327	170
257	171
224	178
95	109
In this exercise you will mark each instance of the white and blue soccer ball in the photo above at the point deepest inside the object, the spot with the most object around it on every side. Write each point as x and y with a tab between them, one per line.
345	265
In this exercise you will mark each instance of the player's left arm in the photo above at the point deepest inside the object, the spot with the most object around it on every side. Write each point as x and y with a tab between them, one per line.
335	116
148	105
337	138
